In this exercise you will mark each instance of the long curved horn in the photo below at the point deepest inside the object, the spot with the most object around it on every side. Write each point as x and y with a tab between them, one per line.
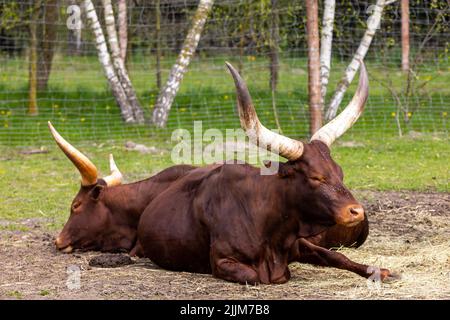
337	127
115	178
87	169
257	133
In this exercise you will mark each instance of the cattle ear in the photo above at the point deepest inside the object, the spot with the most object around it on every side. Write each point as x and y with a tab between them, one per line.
96	192
286	170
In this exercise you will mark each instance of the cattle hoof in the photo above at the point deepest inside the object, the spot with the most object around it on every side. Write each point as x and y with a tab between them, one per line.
388	276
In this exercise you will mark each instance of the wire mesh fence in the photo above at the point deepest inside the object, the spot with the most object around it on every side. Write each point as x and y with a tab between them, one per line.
79	102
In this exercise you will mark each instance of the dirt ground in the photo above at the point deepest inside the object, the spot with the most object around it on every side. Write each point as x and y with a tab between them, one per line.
410	234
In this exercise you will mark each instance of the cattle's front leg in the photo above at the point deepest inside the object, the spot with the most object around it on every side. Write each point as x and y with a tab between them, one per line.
232	270
312	254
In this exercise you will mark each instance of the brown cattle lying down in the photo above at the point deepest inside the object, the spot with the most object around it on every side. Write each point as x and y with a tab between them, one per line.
241	233
92	227
241	226
104	215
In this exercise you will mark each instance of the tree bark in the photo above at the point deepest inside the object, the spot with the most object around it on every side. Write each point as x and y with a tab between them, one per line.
314	87
105	60
373	24
123	28
243	12
274	45
32	76
158	44
274	57
47	44
169	91
405	35
326	45
241	50
119	64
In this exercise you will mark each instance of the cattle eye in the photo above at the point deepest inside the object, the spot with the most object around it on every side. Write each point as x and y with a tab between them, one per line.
76	205
317	179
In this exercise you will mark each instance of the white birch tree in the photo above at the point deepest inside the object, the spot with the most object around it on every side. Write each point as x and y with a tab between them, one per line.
168	92
123	28
373	24
326	44
119	63
105	60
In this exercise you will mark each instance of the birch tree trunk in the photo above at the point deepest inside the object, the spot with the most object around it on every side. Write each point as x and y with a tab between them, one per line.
47	43
105	60
326	44
119	64
314	88
169	91
373	24
405	35
123	25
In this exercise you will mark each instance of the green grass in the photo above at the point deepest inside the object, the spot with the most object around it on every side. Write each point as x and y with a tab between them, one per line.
82	108
15	294
44	293
44	185
14	227
397	164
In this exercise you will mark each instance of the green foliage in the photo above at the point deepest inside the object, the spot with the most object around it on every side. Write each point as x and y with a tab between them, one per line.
9	15
232	20
251	19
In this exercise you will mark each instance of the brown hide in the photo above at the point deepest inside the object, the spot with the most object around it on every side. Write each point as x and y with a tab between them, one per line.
239	225
105	218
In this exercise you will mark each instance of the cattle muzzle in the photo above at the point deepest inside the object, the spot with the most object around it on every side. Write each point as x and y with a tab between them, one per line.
350	215
63	245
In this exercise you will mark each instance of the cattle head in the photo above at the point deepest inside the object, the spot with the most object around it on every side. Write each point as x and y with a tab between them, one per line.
88	226
316	178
